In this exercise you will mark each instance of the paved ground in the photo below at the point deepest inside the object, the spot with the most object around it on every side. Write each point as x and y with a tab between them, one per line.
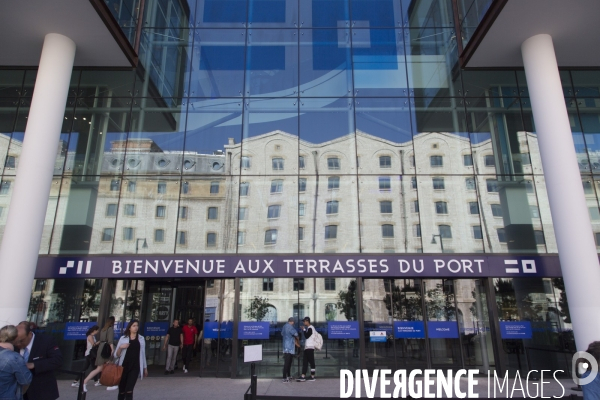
192	387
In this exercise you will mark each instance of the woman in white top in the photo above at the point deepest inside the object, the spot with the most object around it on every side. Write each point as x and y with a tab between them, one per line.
90	359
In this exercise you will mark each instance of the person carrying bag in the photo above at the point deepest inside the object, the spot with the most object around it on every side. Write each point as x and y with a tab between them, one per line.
131	356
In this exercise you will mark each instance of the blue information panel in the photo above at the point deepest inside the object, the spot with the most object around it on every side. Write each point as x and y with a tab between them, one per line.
211	330
156	328
77	330
409	330
515	329
253	330
342	330
442	329
378	336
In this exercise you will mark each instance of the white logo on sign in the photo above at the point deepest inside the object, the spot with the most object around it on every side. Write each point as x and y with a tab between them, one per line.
71	264
527	265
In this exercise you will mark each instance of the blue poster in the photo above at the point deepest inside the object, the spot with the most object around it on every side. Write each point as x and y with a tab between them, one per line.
515	329
211	330
253	330
409	330
342	330
77	330
378	336
156	328
442	330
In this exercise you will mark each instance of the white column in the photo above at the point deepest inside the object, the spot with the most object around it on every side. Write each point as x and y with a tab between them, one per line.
27	210
572	226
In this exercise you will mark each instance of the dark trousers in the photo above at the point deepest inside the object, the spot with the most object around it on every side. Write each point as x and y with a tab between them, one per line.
89	362
309	358
186	355
287	365
128	381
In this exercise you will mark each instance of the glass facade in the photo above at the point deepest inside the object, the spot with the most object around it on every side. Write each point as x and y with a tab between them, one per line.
292	126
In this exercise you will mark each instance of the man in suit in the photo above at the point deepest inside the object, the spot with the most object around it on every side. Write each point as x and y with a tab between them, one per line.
43	357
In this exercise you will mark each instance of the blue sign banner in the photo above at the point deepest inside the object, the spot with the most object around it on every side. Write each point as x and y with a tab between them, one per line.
515	329
211	330
342	330
77	330
378	336
409	330
119	329
442	329
253	330
156	328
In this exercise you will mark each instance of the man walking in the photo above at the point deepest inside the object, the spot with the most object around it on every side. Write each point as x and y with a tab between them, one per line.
309	351
173	342
190	337
290	342
43	357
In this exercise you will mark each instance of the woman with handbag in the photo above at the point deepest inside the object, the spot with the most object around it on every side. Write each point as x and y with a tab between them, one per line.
131	355
107	335
91	352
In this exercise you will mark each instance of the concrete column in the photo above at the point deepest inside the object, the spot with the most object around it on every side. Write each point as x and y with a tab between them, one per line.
572	226
27	211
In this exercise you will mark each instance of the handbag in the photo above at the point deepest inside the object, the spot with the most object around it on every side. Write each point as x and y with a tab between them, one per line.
94	351
106	352
111	374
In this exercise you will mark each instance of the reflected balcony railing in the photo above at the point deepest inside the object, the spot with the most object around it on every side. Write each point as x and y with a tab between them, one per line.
471	13
127	13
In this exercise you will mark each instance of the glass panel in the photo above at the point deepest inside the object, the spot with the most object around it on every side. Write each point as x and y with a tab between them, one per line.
221	13
270	132
49	220
106	84
8	114
6	186
587	83
272	62
388	119
375	13
218	63
427	13
324	14
325	67
204	199
11	83
273	13
156	139
589	115
490	83
379	62
431	56
125	303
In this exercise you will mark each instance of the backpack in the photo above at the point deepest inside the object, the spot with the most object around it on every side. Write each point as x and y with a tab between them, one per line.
318	341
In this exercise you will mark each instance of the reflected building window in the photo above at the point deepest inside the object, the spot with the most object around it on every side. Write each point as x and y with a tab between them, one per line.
111	210
277	186
182	238
241	238
300	233
161	187
271	236
108	234
159	235
268	284
211	239
594	213
496	210
277	164
588	188
385	162
385	183
417	230
331	232
4	187
127	233
243	213
535	211
441	207
467	160
10	162
501	235
40	285
415	206
213	213
185	187
329	283
302	185
387	231
301	209
299	311
298	284
332	207
539	237
273	211
214	187
333	182
301	162
597	237
183	212
114	185
492	185
489	160
438	183
244	188
333	163
445	231
161	211
413	182
470	183
385	207
129	210
473	208
131	186
412	161
246	162
529	186
477	234
436	161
